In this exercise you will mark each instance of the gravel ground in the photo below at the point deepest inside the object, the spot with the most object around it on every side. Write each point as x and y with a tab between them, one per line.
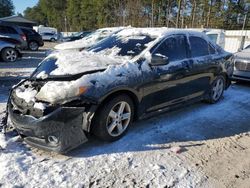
197	146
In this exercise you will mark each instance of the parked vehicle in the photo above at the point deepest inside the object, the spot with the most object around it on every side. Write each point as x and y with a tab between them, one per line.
241	62
131	75
34	40
12	31
8	51
11	40
217	36
42	29
89	40
52	37
76	36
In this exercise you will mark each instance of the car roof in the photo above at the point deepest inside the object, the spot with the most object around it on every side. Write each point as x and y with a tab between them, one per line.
158	32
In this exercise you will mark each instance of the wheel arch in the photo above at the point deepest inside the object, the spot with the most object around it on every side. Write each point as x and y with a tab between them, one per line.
227	80
134	95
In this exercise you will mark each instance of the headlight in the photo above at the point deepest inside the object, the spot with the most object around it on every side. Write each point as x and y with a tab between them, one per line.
58	92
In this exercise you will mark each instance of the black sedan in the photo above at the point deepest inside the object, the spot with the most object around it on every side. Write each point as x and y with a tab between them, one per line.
131	75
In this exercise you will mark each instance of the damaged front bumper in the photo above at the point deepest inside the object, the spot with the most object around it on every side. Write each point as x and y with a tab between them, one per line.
59	131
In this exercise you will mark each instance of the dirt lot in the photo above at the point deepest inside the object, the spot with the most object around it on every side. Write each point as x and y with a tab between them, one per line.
197	146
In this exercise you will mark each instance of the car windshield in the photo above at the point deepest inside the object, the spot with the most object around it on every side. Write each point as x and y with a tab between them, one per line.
117	45
77	34
126	47
45	68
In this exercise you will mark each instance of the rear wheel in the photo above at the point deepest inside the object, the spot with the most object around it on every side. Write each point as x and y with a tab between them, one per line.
113	119
33	46
9	54
217	90
52	39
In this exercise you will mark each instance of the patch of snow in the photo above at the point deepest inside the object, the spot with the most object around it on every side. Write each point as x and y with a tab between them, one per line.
54	91
79	62
42	75
39	105
160	55
28	94
89	40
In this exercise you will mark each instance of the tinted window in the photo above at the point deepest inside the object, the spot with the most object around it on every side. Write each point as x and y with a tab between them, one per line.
7	30
123	45
211	49
2	29
175	48
27	32
11	30
47	66
213	37
199	47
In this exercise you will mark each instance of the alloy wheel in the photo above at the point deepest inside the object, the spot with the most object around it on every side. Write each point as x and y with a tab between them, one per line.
33	46
218	89
118	119
11	55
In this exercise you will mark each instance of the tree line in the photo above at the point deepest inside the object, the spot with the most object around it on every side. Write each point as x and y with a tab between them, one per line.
77	15
6	8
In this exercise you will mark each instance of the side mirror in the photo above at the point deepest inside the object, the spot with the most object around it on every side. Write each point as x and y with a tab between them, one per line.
158	59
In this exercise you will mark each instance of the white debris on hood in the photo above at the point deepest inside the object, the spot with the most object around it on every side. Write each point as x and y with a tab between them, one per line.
28	94
88	40
55	91
79	62
42	75
39	105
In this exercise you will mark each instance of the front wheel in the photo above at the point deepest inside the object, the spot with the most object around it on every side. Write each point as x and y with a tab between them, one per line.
52	39
111	122
217	90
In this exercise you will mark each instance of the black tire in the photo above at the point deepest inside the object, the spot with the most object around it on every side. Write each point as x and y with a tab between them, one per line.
101	120
52	39
33	45
9	55
212	96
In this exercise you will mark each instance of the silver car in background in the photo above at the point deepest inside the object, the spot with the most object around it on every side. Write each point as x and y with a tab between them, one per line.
242	65
8	52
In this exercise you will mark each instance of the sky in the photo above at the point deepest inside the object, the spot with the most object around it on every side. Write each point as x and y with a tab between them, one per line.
21	5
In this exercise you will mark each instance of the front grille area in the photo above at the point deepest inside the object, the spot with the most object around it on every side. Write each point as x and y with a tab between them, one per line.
242	66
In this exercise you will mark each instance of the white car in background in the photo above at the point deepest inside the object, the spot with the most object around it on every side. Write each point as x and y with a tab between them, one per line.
217	36
89	40
52	37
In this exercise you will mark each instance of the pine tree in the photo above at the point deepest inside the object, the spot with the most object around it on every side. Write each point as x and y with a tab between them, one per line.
6	8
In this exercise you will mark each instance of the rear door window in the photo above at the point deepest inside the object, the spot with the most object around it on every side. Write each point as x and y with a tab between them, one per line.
175	48
27	32
7	30
10	30
199	46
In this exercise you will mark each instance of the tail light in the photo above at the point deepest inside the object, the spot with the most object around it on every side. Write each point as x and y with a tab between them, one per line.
23	37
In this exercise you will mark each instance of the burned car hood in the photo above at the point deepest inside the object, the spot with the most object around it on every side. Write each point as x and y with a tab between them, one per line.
69	64
244	54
